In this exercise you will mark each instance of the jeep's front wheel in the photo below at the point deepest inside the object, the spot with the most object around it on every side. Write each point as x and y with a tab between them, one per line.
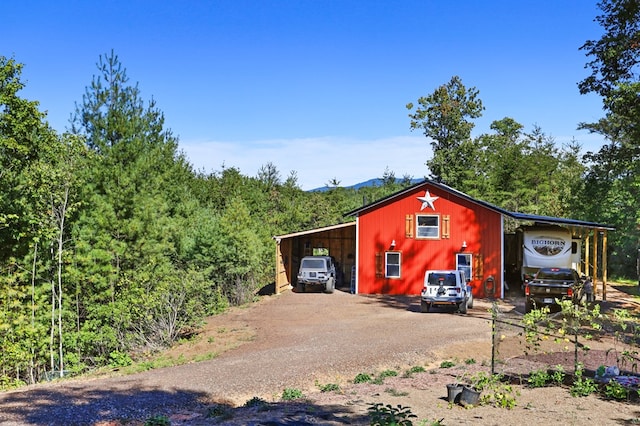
425	306
330	285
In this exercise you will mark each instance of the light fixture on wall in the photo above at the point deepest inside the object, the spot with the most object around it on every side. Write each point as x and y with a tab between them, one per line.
464	245
393	244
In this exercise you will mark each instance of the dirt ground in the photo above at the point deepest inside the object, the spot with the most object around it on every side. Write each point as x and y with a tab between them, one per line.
305	343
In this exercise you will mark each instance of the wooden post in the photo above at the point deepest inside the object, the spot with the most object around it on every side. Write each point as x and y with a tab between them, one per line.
587	268
604	265
595	258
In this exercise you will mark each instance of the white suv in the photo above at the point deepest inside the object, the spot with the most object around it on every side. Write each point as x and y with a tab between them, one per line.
317	270
446	288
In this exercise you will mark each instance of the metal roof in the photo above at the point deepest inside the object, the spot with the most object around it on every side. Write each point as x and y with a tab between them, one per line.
314	231
514	215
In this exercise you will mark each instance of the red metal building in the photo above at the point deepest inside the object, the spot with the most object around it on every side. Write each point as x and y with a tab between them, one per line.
428	226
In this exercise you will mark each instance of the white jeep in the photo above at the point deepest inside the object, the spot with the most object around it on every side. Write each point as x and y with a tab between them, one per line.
446	288
317	270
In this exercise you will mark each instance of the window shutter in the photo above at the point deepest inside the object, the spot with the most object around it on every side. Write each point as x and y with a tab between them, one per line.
379	265
477	266
446	226
408	226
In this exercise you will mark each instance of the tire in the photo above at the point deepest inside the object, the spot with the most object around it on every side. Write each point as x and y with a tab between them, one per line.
300	288
424	307
528	306
462	307
470	304
330	286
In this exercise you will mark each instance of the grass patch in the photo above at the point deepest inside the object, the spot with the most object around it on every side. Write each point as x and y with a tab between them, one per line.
205	357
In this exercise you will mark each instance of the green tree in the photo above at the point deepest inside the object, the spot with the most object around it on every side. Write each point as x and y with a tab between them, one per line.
614	172
445	117
128	231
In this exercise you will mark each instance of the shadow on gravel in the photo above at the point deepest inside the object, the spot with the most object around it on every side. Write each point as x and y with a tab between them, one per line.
92	407
299	413
49	406
407	303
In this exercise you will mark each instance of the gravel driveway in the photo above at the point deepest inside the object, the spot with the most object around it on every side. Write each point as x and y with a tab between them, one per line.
300	338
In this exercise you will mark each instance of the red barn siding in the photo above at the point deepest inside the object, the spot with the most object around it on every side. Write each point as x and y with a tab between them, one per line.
472	223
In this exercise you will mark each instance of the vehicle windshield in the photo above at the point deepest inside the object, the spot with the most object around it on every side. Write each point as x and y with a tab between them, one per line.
449	279
550	274
313	263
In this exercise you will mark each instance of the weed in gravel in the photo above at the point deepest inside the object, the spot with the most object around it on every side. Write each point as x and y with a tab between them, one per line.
160	420
447	364
413	370
256	402
329	387
362	378
395	392
291	393
469	361
383	375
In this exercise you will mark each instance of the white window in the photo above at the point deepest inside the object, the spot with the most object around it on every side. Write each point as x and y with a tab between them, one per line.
463	263
427	226
392	264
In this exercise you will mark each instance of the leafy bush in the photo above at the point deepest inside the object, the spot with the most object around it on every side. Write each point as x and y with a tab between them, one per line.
119	359
582	386
387	415
615	390
291	393
447	364
362	378
538	379
558	375
500	394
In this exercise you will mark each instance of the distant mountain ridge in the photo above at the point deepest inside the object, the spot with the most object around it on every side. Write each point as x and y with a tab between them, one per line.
370	182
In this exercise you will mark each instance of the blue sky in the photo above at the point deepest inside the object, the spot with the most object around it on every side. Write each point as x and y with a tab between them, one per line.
318	87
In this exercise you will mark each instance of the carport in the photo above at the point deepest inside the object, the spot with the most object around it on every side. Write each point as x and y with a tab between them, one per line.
338	241
593	237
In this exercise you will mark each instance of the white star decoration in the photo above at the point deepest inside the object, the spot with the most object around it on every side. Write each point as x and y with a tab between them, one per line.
427	200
